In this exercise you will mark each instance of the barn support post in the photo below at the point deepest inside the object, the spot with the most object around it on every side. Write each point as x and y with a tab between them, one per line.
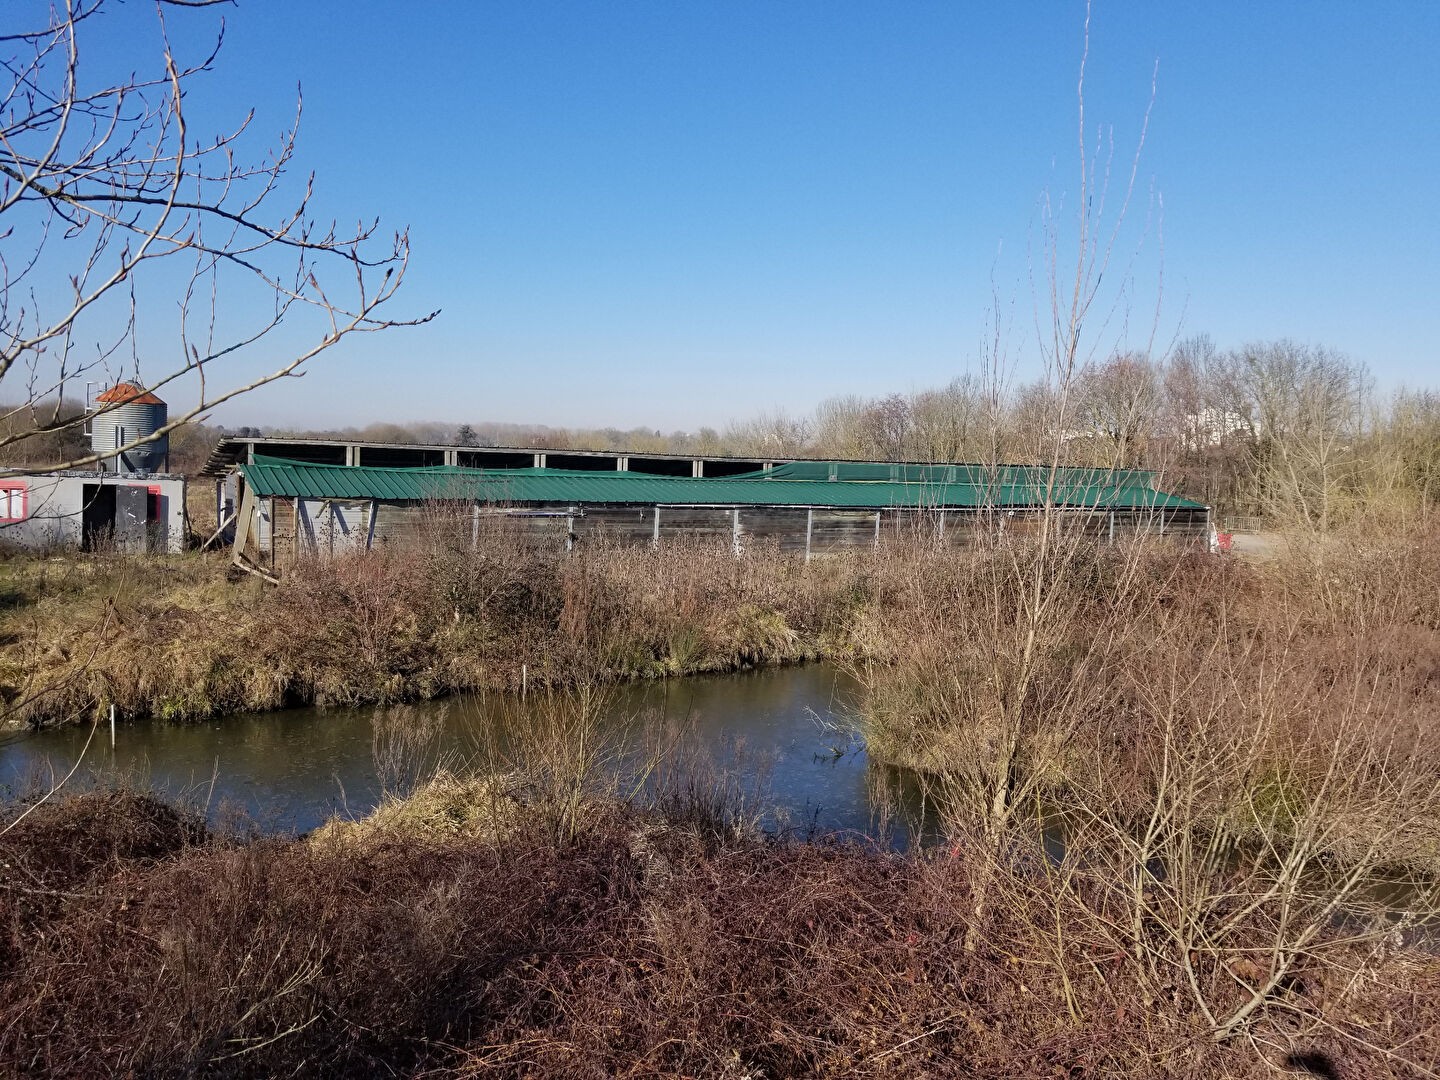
809	529
877	528
570	532
655	532
1111	516
735	530
295	544
475	527
370	532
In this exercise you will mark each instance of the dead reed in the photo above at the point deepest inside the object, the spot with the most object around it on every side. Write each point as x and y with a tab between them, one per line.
174	639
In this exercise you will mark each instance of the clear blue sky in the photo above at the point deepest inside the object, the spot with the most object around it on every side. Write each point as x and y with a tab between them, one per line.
677	213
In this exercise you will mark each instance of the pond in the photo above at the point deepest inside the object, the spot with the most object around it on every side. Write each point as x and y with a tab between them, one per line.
777	738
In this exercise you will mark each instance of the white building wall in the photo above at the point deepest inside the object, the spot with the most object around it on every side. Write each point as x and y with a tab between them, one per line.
48	511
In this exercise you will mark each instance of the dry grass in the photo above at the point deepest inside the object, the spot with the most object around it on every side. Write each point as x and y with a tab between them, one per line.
1237	760
173	638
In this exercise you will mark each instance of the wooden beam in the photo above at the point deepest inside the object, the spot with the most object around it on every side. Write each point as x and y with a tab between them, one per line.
244	517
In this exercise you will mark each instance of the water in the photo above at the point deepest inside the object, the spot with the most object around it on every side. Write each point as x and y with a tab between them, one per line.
779	737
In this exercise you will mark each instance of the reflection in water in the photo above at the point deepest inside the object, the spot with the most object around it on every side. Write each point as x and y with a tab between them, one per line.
778	739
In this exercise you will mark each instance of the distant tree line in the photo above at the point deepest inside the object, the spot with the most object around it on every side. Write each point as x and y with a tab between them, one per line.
1288	431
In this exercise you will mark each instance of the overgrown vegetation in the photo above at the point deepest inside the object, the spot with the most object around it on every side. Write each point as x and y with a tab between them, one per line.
173	638
135	942
1190	806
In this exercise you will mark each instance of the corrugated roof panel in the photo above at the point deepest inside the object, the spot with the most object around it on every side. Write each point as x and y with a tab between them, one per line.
273	476
960	473
127	394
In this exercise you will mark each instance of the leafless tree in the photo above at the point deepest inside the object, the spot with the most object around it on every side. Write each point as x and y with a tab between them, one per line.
771	434
111	208
1303	410
951	424
1117	405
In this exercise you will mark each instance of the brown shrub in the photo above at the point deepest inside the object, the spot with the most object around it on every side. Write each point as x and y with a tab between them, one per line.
409	954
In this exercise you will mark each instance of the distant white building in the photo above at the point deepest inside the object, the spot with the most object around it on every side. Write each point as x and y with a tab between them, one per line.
93	511
1211	427
128	503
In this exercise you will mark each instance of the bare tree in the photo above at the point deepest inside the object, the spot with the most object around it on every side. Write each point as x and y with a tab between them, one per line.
952	423
1303	408
111	209
1117	405
771	434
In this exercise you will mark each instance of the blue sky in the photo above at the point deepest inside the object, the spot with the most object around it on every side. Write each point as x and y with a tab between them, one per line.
677	213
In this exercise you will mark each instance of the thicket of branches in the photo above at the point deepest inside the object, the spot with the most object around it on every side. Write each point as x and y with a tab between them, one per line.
136	250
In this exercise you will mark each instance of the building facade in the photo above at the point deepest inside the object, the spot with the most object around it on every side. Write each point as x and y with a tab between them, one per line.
93	511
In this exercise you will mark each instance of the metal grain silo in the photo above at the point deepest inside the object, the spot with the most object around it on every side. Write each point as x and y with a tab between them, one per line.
123	414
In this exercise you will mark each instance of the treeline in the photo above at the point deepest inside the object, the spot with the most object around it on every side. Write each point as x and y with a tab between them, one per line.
1292	432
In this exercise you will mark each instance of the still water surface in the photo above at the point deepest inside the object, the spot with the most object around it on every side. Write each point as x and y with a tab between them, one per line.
778	737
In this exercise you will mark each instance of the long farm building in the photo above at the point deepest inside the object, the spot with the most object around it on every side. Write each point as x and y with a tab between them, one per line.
283	510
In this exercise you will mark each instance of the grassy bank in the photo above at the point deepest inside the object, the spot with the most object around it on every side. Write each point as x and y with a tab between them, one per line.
183	639
640	943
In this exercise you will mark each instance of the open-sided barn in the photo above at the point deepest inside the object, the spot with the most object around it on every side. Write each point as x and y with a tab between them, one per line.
288	509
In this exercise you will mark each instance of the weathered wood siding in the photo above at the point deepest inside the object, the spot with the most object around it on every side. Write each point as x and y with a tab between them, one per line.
781	526
708	522
618	525
839	530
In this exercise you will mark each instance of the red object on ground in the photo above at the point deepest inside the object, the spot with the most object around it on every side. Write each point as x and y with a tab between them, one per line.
1224	540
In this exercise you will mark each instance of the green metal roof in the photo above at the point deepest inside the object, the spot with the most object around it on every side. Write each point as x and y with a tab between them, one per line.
1082	488
963	473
